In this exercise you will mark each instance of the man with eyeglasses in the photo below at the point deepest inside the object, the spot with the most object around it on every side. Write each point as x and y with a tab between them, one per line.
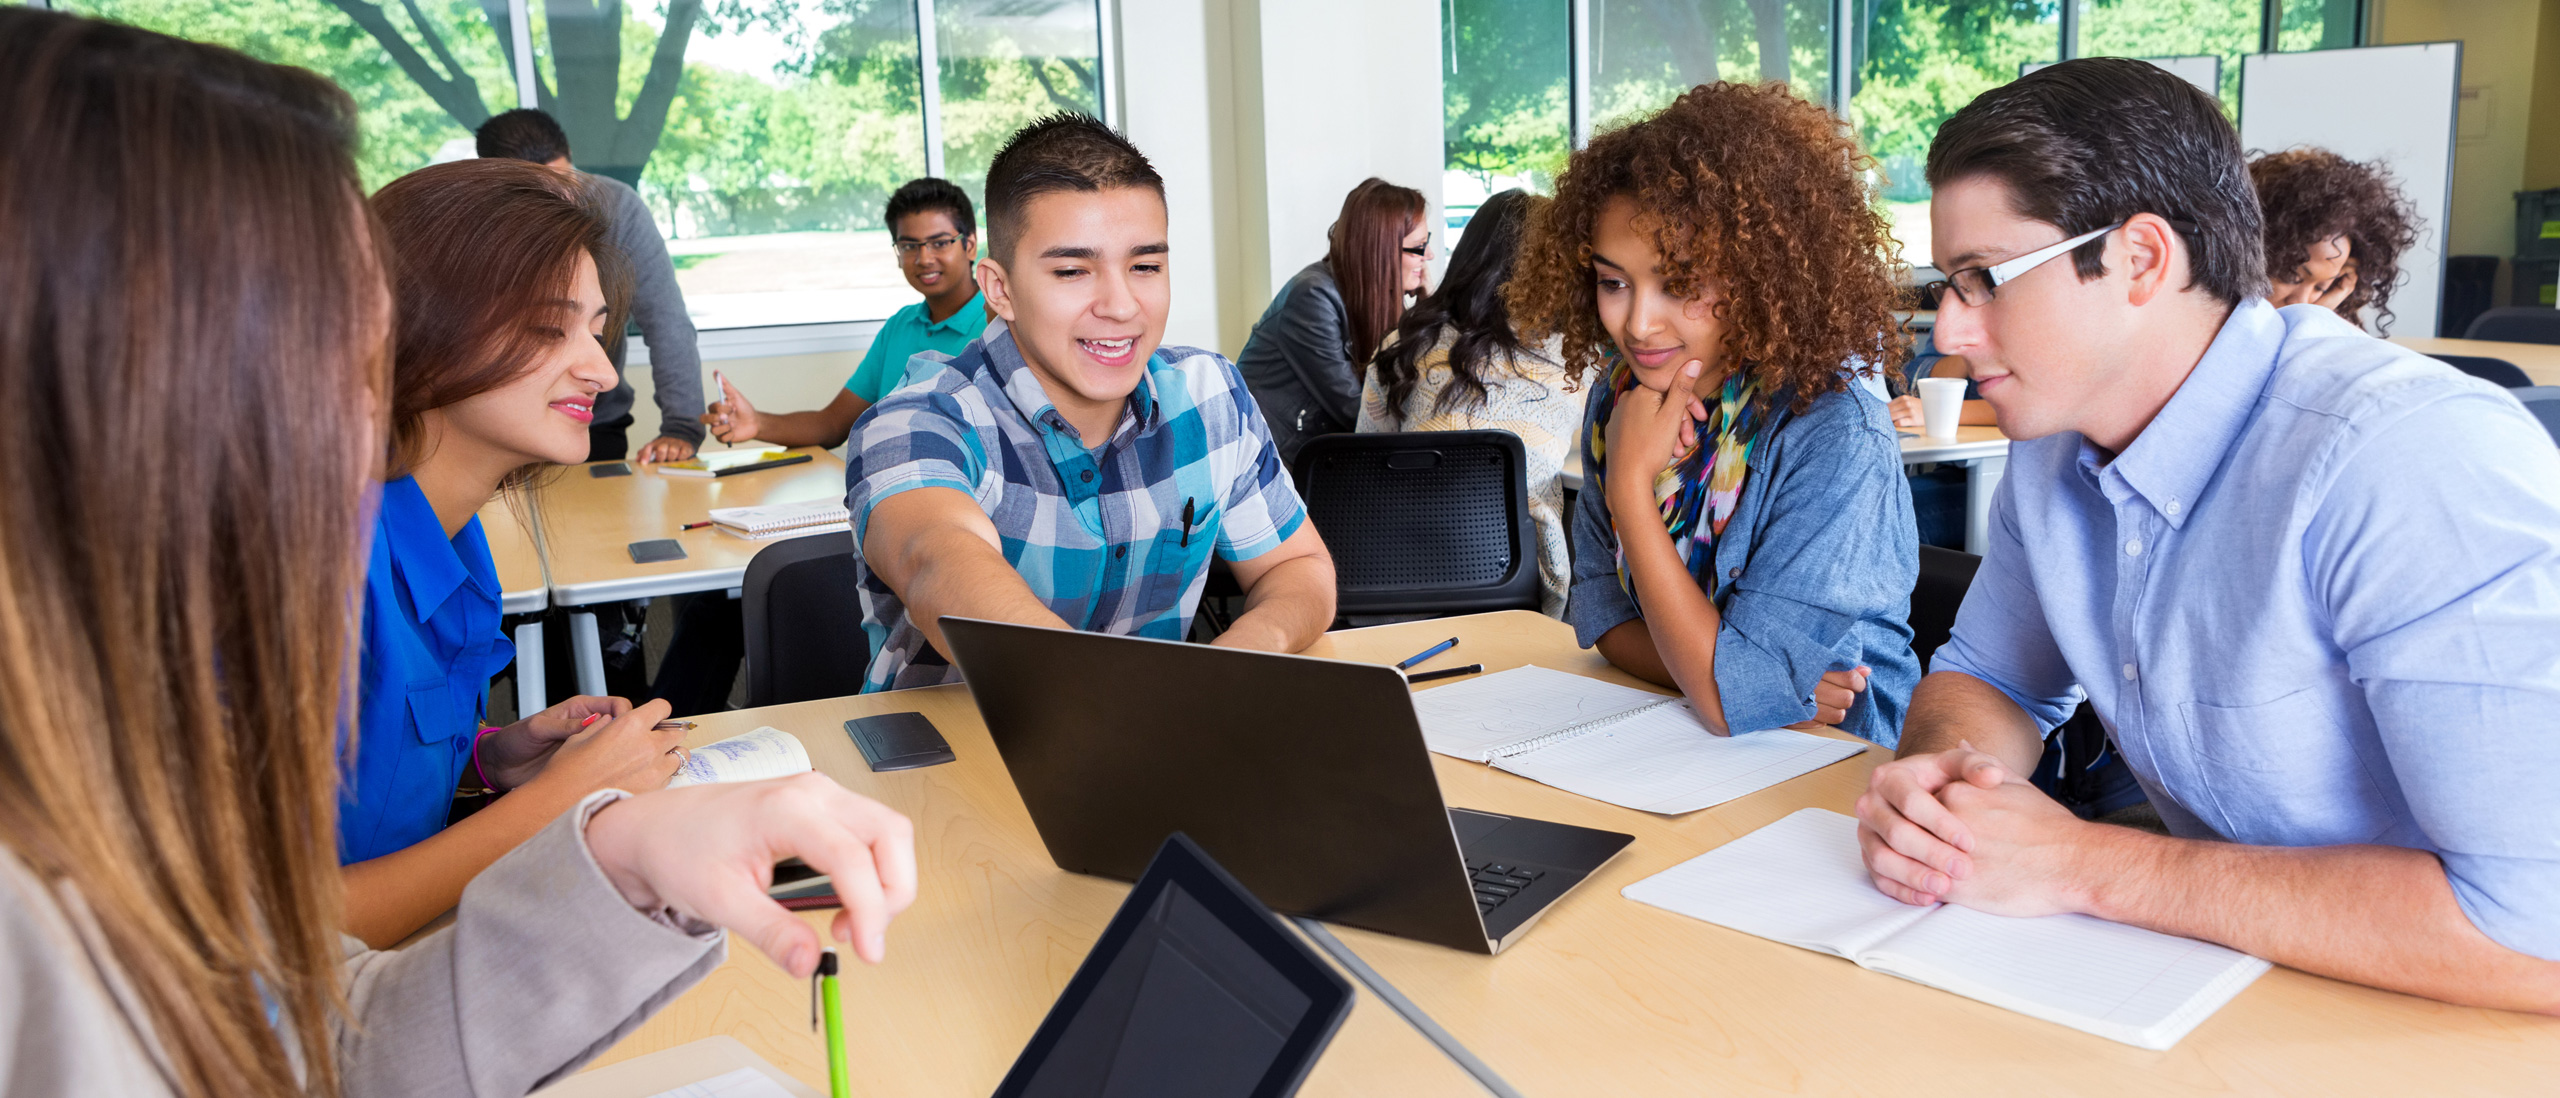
2309	580
935	232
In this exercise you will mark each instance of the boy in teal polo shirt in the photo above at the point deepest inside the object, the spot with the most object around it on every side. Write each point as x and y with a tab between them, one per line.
936	235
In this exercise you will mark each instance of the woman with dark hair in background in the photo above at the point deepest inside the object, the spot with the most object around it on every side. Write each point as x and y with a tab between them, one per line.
1454	364
1305	358
195	367
2335	231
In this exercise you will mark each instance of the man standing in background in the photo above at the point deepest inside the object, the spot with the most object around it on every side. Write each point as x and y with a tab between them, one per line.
657	303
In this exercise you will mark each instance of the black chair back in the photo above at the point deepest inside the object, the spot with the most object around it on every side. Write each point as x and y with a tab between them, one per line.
2495	371
803	620
2544	402
2517	324
1945	575
1431	522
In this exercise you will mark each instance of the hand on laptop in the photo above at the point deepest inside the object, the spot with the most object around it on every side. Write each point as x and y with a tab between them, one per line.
708	852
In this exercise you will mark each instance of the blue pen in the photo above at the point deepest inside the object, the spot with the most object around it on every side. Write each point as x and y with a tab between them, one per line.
1427	653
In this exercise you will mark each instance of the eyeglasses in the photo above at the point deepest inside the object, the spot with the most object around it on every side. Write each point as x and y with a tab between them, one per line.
1418	251
940	243
1974	285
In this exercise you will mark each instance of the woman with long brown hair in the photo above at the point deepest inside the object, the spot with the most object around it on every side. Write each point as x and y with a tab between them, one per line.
194	346
1306	356
1717	271
504	286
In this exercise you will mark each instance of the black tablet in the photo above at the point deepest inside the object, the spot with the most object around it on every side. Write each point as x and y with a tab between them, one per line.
1195	989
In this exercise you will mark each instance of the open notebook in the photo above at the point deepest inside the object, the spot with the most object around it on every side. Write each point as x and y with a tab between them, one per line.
1800	881
1612	743
766	752
776	520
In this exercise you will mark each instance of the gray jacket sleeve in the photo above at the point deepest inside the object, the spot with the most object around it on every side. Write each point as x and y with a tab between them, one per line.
546	966
657	304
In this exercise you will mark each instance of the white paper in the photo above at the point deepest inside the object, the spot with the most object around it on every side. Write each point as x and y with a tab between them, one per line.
1799	881
768	517
1469	719
766	752
742	1083
1662	760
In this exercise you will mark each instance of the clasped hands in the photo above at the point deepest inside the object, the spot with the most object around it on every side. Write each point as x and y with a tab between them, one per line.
1958	826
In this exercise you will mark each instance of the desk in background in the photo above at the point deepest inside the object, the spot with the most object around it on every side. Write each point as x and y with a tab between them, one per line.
1983	451
524	588
1603	996
589	523
2539	361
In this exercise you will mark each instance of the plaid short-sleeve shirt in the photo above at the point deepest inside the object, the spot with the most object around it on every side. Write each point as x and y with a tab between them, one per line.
1114	538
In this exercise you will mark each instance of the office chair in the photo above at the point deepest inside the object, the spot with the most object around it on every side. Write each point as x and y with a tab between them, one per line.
2496	371
2544	402
2517	324
1945	575
803	620
1424	522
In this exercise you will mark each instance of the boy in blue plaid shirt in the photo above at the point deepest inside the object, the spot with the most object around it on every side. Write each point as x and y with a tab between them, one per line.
1066	470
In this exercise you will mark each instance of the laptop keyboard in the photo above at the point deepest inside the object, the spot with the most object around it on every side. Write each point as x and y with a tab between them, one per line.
1496	882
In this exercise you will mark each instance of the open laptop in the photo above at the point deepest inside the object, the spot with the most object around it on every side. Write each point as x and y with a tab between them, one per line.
1306	778
1194	989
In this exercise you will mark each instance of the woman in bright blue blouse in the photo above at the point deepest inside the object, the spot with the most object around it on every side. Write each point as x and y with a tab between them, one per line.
504	287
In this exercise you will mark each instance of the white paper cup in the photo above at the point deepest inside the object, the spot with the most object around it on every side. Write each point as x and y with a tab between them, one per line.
1941	405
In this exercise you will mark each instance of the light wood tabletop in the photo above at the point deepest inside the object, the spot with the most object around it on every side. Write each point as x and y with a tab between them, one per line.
525	587
2539	361
1603	996
589	522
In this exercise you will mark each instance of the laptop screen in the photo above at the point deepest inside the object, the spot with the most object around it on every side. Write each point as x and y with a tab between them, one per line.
1195	988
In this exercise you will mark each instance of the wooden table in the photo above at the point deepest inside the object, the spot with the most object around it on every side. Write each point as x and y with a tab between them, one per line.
1603	997
2539	361
1983	451
589	522
525	588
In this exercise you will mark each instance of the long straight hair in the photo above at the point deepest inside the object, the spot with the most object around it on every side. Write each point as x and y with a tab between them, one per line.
193	330
1363	251
1469	305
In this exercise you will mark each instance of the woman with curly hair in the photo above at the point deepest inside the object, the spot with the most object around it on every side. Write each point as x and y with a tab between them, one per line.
2335	231
1718	271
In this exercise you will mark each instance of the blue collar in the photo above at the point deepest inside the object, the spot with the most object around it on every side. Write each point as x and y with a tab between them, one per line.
430	565
959	320
1022	386
2179	451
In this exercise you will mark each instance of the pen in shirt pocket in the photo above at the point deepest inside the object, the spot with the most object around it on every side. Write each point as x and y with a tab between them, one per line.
1186	521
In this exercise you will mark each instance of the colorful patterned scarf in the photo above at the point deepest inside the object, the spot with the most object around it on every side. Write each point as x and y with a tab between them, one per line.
1698	491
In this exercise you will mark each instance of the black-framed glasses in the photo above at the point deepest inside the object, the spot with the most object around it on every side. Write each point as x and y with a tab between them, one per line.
940	242
1418	251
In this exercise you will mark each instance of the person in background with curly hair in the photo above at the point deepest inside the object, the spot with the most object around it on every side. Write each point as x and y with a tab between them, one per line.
2335	231
1718	271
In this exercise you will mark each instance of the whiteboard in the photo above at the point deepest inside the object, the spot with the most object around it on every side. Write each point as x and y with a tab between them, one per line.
2390	103
2203	71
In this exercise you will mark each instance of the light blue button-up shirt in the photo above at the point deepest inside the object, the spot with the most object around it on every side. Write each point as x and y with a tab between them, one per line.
2316	601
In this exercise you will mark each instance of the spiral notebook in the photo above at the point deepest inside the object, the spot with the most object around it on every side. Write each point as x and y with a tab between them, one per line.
777	520
1612	743
1801	881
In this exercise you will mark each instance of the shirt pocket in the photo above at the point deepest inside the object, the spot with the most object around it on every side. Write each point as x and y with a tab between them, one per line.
1171	567
2285	772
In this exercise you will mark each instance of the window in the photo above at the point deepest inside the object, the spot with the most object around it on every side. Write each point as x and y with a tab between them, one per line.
2223	29
1644	53
765	135
1923	60
1505	83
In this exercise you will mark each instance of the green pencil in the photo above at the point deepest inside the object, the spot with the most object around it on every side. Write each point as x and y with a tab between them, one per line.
839	1083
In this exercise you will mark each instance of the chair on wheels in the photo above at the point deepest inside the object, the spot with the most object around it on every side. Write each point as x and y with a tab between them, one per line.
2495	371
1424	522
2517	324
2544	402
803	621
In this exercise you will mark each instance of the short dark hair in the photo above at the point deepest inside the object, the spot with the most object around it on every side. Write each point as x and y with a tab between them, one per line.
1062	152
522	134
2090	142
929	194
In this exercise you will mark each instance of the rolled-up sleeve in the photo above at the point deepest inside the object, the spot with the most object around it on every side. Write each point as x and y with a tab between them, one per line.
920	438
1836	546
545	967
2435	557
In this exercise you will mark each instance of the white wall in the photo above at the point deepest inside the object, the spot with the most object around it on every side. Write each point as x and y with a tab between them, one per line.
1175	94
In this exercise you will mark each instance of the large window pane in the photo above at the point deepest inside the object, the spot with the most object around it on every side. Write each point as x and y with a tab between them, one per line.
2225	29
765	137
1646	52
2317	25
1505	81
423	82
1005	63
1922	60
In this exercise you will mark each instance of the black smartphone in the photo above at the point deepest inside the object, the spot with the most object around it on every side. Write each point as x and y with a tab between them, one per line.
656	550
610	469
898	741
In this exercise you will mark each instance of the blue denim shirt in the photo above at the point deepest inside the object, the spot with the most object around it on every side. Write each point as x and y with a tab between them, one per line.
431	642
1818	563
2316	601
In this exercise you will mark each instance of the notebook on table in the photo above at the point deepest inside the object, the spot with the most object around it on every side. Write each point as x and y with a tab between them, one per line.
710	463
783	520
1612	743
1801	881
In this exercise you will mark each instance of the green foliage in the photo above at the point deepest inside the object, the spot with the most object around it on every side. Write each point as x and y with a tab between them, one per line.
1505	88
1928	58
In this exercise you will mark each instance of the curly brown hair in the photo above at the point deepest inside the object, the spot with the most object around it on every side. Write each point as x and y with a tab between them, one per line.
2310	195
1752	187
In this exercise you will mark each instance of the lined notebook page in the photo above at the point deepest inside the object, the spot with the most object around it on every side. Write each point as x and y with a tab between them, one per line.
766	752
1470	719
1797	881
1663	761
2120	982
